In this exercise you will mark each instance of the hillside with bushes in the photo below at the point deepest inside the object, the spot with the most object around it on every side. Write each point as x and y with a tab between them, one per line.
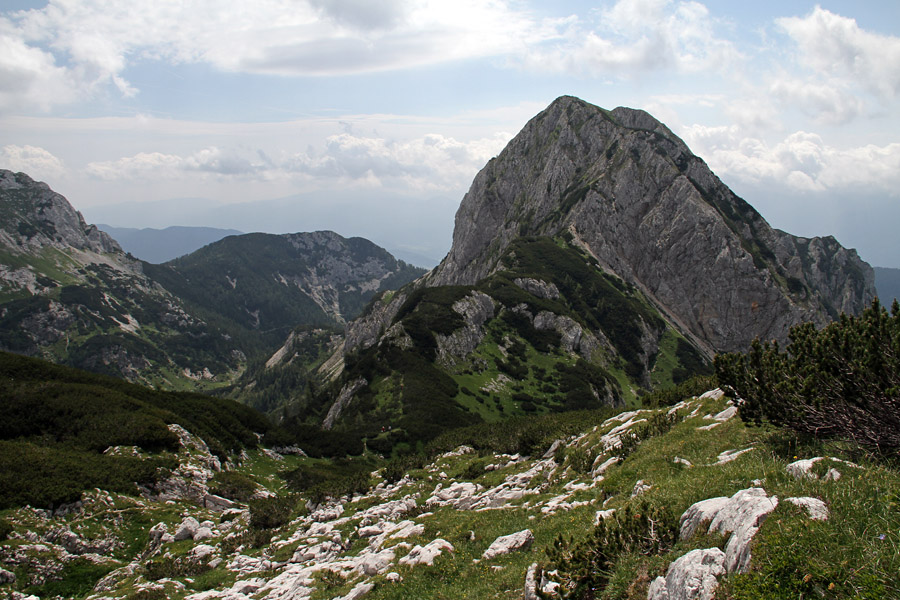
549	332
580	505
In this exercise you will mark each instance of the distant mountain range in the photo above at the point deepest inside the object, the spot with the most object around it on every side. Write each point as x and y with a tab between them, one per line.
887	281
69	293
416	230
161	245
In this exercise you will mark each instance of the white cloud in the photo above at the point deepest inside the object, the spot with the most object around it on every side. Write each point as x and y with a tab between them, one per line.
430	162
802	161
140	166
80	49
29	76
835	45
36	162
75	49
145	165
637	36
364	14
827	103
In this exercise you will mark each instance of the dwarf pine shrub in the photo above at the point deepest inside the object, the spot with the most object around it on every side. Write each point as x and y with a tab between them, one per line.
584	567
841	382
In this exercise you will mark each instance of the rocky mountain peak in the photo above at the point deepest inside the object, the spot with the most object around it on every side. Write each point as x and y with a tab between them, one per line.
627	190
35	216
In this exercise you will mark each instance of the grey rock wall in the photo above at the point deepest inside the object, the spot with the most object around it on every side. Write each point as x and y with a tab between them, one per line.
632	194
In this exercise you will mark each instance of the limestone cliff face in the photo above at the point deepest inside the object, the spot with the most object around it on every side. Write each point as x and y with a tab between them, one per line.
632	194
35	216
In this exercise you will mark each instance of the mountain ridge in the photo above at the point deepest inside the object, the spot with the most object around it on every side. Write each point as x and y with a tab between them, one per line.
68	292
595	247
161	245
628	190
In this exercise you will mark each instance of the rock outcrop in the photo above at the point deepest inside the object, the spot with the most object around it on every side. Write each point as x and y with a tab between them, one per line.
631	193
694	576
34	216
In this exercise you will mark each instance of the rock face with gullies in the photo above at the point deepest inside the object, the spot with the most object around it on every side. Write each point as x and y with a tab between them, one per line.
476	309
632	194
36	216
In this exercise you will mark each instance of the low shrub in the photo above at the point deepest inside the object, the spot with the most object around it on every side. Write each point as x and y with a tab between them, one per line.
272	512
840	382
695	386
340	477
583	567
233	485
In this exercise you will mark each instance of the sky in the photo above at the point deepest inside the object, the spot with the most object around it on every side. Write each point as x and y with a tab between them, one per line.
372	118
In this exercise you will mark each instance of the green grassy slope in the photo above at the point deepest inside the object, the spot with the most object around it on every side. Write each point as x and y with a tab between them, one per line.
414	389
852	554
58	422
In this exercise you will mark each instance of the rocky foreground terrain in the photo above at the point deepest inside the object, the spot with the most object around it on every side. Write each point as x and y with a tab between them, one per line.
712	508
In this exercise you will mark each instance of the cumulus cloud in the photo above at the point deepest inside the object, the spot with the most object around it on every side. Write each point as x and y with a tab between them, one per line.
29	76
430	162
74	49
146	165
829	103
636	36
37	162
802	161
837	46
78	49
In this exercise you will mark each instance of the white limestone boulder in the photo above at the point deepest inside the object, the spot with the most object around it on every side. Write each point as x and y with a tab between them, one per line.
694	576
426	554
187	529
509	543
815	508
740	515
374	563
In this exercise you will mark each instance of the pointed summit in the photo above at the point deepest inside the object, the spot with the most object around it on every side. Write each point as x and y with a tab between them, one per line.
622	186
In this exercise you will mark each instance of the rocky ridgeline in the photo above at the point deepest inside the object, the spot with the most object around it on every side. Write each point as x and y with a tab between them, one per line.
34	216
371	543
632	194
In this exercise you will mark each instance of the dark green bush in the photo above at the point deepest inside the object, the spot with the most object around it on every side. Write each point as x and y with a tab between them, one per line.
400	465
841	382
249	538
76	579
657	425
233	485
694	386
584	566
272	512
529	435
165	567
47	477
94	412
336	478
